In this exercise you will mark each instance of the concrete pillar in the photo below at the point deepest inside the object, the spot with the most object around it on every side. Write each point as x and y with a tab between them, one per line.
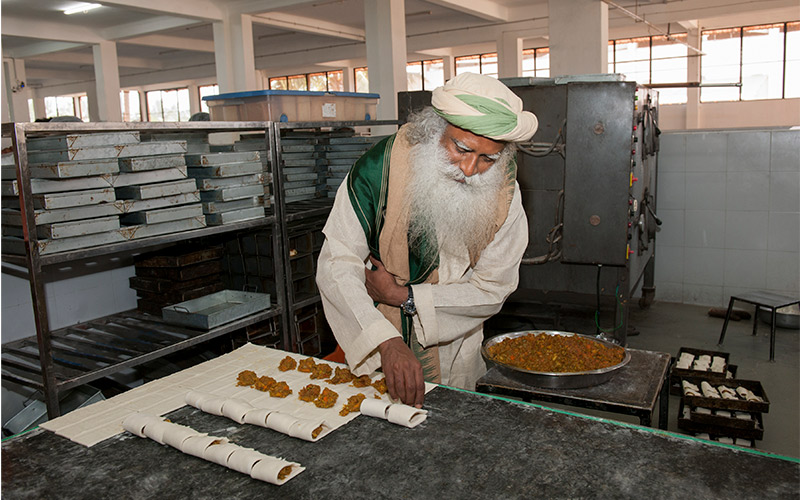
106	75
38	107
15	91
509	56
348	79
94	105
693	38
234	54
194	99
386	53
578	32
449	67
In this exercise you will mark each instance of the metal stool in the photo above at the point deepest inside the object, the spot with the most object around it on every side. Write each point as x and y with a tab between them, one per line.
767	300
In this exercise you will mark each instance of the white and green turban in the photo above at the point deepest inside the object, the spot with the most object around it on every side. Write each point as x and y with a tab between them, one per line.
484	106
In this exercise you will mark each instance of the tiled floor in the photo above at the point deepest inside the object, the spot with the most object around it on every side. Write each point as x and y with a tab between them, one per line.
667	327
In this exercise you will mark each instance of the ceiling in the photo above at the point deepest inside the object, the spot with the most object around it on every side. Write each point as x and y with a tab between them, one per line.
166	38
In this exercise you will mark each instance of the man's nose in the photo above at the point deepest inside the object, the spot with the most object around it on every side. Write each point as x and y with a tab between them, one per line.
469	165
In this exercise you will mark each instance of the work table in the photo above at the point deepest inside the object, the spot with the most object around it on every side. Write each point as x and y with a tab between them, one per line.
470	446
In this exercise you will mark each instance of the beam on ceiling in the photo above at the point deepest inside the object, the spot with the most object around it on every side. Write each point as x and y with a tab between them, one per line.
172	42
484	9
48	30
39	48
259	6
84	59
140	28
196	9
310	25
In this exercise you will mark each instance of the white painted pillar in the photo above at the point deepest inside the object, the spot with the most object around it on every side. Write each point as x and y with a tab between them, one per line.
578	32
234	54
16	91
693	38
449	67
143	105
194	99
348	79
386	53
38	107
509	56
94	105
106	75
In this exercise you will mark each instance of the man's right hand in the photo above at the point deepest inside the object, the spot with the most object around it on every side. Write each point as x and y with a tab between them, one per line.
403	372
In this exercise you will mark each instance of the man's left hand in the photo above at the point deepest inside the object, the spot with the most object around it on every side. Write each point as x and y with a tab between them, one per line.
382	286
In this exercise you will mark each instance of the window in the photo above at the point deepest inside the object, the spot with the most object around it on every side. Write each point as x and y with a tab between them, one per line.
129	103
83	108
536	62
792	79
762	59
206	90
652	59
762	62
58	106
31	110
361	79
327	81
484	64
168	105
425	75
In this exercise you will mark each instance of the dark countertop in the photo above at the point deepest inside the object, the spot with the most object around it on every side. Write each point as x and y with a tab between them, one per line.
471	446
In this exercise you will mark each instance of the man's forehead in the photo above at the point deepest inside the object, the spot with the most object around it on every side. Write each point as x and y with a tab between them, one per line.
478	143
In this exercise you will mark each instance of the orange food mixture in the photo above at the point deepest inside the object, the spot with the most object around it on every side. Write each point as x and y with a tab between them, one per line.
284	472
309	393
306	365
264	383
555	353
327	399
341	376
247	378
321	371
353	404
380	386
362	381
280	390
287	363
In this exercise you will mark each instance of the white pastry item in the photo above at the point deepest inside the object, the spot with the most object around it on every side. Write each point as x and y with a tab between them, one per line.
243	460
727	392
375	408
718	364
176	434
280	422
743	415
743	442
723	413
702	411
156	430
304	429
725	440
212	405
689	389
708	390
268	468
235	409
135	423
406	415
685	361
220	453
197	445
257	416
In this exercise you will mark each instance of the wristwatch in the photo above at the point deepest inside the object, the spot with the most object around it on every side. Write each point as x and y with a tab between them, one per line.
408	307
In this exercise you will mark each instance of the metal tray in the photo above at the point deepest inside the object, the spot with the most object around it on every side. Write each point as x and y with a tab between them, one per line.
216	309
552	380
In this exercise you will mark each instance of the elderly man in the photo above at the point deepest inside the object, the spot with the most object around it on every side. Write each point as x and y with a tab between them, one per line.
434	212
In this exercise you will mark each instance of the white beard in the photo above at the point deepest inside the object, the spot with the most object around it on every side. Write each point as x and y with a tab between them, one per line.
459	216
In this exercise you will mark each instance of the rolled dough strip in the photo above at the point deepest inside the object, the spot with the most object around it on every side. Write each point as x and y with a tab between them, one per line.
268	468
235	409
156	430
257	416
220	453
136	422
176	434
304	429
196	445
280	422
195	398
212	405
243	460
405	415
375	408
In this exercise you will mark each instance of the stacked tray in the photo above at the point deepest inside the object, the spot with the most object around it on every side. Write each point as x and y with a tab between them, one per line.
715	405
303	167
98	188
231	185
341	153
196	142
248	262
252	142
176	275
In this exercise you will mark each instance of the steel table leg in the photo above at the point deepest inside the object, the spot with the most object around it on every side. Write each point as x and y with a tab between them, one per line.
727	318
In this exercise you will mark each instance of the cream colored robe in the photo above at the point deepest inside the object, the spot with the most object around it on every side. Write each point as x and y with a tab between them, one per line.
450	313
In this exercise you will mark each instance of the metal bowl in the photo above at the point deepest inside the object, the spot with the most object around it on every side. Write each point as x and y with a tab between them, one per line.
553	380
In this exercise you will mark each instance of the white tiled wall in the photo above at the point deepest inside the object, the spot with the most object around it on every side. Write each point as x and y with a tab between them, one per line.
730	205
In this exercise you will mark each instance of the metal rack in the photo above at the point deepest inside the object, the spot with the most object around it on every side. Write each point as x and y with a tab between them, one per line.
56	361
